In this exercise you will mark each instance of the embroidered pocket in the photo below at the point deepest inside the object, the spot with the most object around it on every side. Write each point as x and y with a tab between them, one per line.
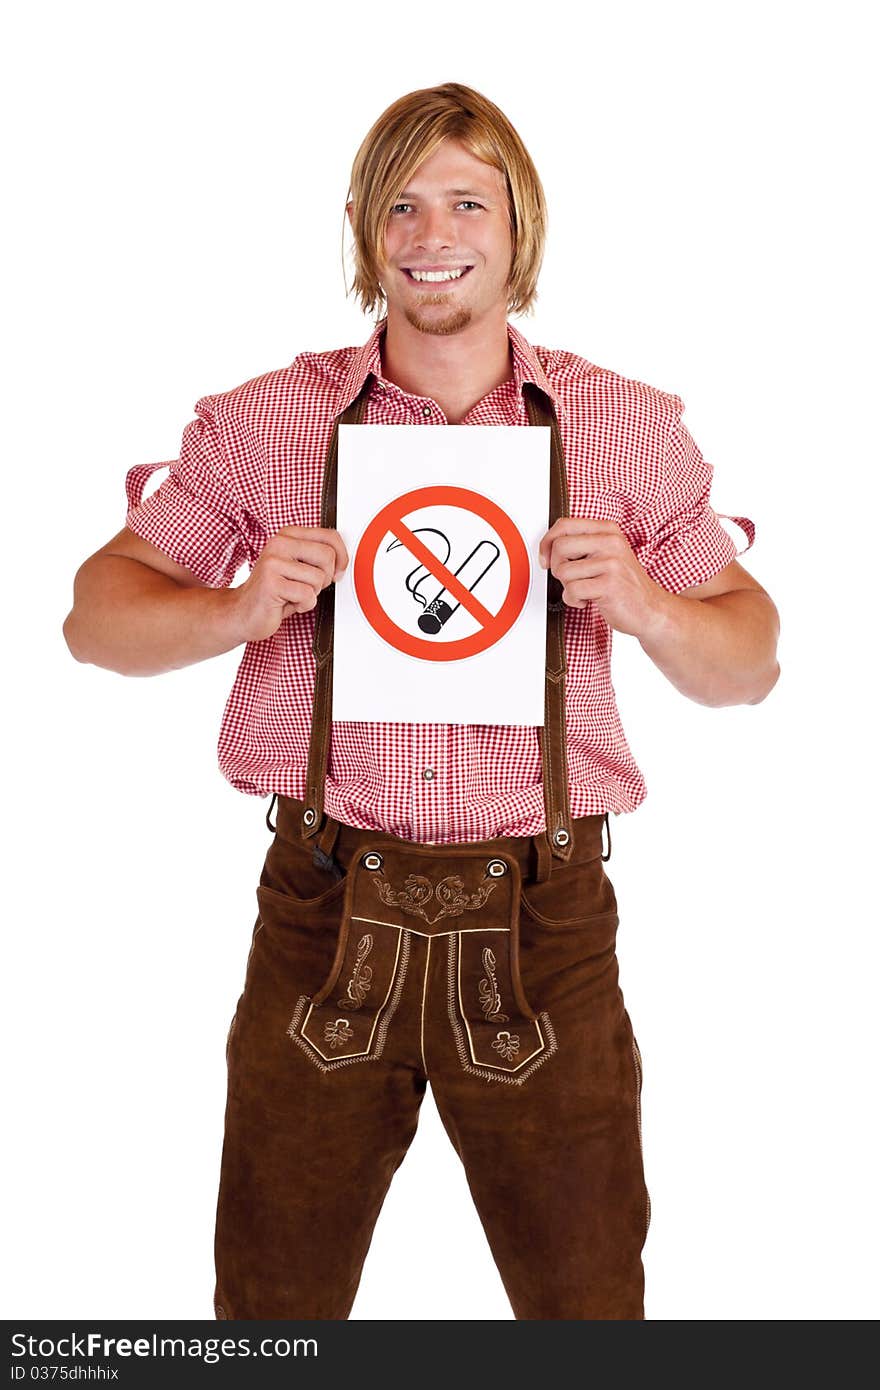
497	1033
347	1019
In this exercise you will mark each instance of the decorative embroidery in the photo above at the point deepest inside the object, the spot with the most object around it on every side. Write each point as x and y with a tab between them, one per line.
489	1071
490	996
338	1033
507	1044
418	890
334	1063
361	979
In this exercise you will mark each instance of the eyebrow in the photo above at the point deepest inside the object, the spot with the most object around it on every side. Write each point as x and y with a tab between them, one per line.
457	192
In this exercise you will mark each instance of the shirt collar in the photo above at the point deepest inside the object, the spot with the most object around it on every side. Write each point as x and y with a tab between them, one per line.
526	366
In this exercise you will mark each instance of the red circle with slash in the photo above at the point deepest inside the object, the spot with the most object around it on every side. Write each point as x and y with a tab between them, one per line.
493	625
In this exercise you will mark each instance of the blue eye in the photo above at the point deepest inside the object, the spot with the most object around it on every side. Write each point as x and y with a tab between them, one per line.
466	202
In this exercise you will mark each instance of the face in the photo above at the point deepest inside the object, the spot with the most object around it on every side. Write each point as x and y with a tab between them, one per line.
452	214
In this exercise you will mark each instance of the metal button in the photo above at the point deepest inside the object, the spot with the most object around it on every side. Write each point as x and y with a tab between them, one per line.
310	816
496	867
372	861
561	837
429	774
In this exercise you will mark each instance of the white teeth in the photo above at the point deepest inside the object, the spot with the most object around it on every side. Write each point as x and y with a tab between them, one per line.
437	274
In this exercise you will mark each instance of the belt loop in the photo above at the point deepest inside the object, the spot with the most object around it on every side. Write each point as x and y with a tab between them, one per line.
269	812
542	846
322	854
606	826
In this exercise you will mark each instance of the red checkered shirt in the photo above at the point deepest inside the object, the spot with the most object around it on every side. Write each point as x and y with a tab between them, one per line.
252	462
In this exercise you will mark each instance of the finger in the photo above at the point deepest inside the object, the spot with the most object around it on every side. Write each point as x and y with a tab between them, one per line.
580	547
295	592
340	554
322	554
572	570
291	610
577	593
567	526
302	572
341	561
329	539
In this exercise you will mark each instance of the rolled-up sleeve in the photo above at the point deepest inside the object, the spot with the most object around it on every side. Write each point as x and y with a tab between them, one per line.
682	541
194	517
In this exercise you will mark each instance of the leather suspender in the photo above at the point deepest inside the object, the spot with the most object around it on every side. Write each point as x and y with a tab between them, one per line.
554	758
554	763
322	642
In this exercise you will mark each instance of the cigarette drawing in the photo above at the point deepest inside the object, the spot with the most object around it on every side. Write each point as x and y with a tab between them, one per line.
438	610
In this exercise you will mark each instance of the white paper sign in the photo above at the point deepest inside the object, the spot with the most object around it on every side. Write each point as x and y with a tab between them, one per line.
441	615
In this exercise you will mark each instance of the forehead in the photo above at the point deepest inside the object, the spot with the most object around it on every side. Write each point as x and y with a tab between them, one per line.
452	169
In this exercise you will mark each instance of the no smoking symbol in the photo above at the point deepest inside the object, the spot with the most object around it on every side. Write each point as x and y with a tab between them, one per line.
454	584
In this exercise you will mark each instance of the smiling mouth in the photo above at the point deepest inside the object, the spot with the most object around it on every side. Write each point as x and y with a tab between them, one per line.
436	284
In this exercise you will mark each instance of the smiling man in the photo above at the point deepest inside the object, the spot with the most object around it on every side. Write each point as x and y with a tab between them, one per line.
433	906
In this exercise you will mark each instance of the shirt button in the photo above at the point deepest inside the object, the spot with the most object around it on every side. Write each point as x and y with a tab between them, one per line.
428	774
384	390
426	410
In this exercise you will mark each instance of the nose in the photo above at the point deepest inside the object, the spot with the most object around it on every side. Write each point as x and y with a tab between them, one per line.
435	229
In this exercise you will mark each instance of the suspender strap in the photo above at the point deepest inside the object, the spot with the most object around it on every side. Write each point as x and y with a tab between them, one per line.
554	756
559	833
322	642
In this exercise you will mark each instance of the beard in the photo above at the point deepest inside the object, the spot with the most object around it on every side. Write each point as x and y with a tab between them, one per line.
456	319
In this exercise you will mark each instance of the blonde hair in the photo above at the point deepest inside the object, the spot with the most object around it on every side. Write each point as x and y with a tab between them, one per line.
407	134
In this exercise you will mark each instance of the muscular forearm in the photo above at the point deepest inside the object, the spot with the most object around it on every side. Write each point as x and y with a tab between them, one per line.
719	650
130	618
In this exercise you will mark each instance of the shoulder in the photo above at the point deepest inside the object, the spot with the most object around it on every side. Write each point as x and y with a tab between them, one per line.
593	393
313	379
616	431
279	414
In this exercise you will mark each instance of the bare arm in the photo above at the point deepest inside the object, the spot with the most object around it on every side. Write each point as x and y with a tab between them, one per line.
716	642
137	612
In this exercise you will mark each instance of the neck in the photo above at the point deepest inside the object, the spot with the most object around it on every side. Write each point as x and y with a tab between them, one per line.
456	370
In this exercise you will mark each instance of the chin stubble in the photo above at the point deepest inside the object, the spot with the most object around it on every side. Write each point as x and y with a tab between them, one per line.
455	321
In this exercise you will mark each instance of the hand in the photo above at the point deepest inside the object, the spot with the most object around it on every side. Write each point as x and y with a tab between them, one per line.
594	562
292	568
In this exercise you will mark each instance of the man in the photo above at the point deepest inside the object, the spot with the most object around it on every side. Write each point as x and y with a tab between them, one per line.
448	917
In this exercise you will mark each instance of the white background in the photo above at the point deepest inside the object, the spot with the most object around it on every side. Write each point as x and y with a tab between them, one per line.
178	176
